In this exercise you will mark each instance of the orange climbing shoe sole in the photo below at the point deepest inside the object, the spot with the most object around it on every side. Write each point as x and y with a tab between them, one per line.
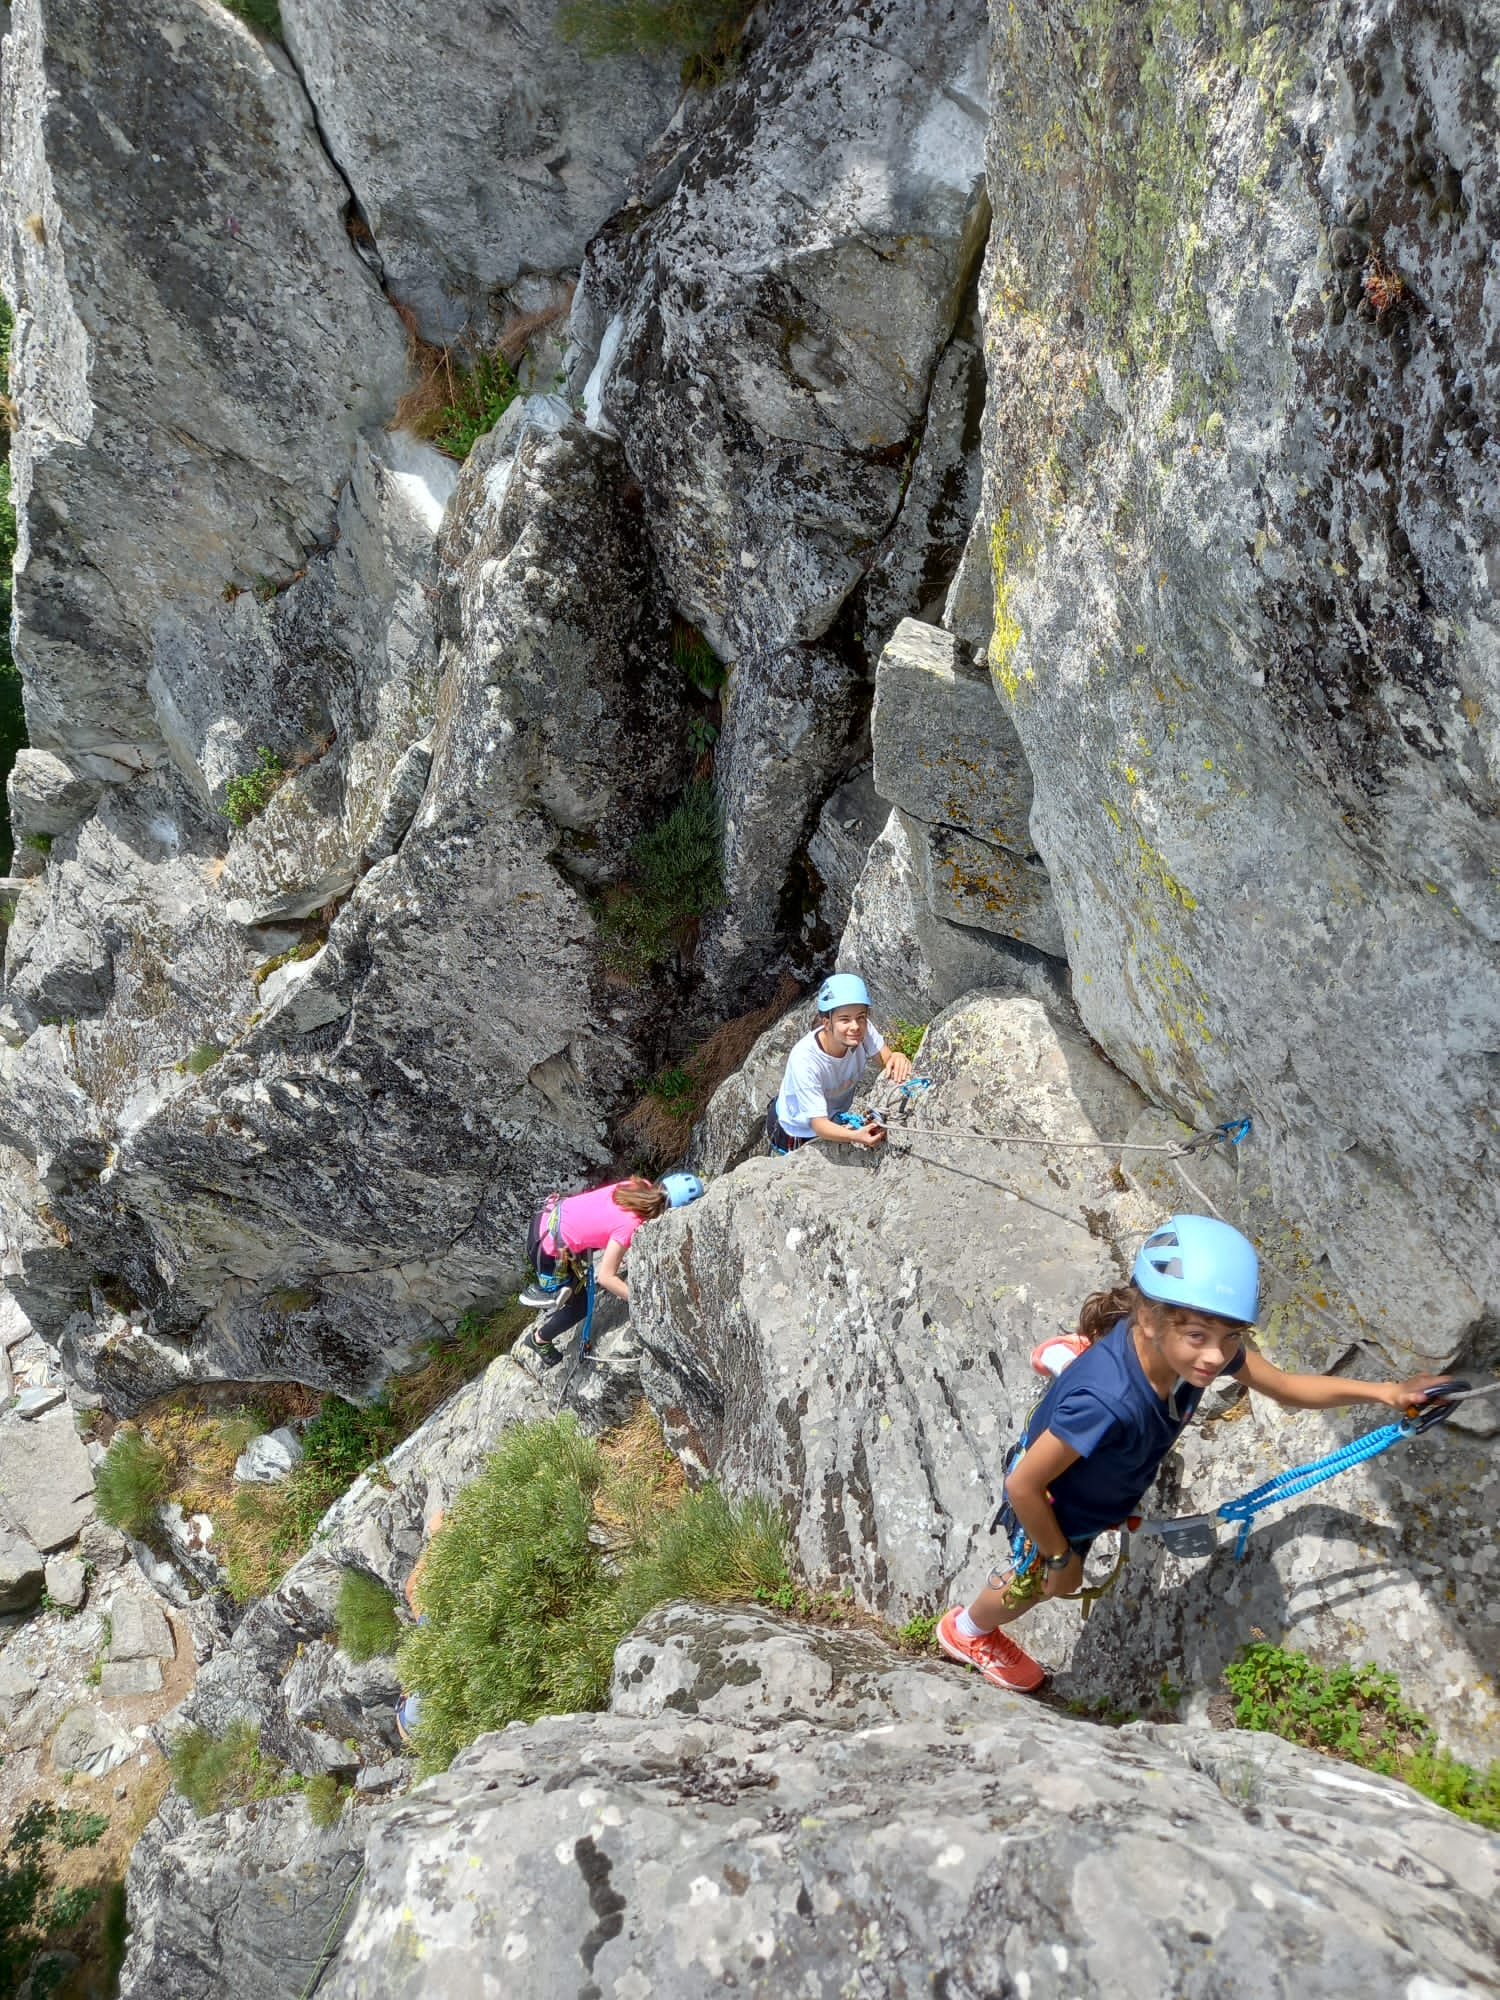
1073	1343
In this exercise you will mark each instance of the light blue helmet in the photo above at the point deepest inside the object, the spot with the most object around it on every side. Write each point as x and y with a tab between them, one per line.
680	1189
842	989
1193	1260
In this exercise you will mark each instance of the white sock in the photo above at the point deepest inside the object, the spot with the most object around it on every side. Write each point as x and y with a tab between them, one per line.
967	1626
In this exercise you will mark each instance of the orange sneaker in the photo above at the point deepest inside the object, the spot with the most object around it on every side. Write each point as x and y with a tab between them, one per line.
1050	1357
999	1659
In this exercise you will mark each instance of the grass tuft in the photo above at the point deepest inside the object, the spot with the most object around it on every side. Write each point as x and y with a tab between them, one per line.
675	877
705	32
1358	1713
132	1479
213	1772
547	1560
262	14
368	1626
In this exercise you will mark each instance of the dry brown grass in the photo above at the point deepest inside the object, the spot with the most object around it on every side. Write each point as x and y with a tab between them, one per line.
661	1125
437	373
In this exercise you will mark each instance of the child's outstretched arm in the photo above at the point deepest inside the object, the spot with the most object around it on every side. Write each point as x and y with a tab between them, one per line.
1327	1392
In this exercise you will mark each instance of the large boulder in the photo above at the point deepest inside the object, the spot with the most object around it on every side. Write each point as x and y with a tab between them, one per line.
986	1845
852	1336
46	1481
196	346
1243	508
915	959
492	149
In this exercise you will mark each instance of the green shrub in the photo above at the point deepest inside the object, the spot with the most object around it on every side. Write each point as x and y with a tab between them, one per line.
480	399
202	1058
696	659
39	843
251	792
366	1617
213	1772
32	1908
133	1477
905	1037
673	1087
705	31
262	14
525	1607
1358	1713
675	877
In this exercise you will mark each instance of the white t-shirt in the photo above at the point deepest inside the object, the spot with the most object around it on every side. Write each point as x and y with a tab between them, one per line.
820	1086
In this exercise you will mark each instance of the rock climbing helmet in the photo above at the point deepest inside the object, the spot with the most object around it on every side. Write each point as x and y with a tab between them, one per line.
680	1189
842	989
1195	1260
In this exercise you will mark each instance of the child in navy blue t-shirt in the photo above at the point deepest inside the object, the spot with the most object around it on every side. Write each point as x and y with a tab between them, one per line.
1096	1440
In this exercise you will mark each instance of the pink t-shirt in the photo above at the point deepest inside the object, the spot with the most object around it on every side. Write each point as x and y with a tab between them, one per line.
589	1221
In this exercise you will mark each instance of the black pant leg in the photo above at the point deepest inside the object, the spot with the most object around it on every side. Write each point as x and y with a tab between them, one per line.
562	1319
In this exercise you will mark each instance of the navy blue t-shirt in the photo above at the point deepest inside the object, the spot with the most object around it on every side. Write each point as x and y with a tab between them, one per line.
1105	1408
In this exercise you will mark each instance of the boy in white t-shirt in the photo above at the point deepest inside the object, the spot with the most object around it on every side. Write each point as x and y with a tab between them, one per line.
824	1070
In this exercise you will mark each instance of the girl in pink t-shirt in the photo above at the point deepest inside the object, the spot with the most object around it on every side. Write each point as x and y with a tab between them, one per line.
571	1228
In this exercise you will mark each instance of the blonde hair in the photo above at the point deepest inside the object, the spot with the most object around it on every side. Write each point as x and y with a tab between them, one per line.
641	1197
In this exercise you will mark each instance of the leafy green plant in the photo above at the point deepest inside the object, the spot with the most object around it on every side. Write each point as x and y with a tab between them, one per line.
32	1908
262	14
526	1603
133	1477
366	1618
480	399
202	1058
1360	1714
251	792
696	659
917	1633
702	735
707	32
39	843
214	1772
676	876
905	1037
673	1087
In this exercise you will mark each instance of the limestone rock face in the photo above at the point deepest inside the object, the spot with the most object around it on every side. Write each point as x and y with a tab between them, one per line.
946	753
764	338
987	1845
491	763
492	149
915	959
238	1905
196	345
852	1337
1242	510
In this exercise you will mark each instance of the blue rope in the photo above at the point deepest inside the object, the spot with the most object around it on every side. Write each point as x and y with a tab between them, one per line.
1298	1478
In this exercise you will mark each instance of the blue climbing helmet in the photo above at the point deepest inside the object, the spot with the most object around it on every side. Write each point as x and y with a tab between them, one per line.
680	1189
842	989
1194	1260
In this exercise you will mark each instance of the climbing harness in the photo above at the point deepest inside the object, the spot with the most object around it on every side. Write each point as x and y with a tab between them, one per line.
585	1331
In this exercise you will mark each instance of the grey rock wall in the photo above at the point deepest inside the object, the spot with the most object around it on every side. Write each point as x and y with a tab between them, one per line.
763	332
482	149
1242	506
196	346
